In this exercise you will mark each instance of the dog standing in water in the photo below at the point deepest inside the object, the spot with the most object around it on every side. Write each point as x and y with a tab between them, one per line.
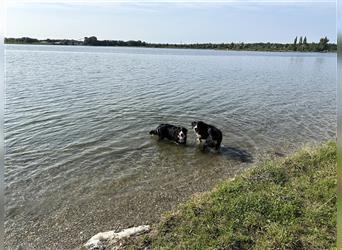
209	133
171	132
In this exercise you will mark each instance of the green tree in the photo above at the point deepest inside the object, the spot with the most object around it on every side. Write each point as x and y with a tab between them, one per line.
90	40
295	44
323	44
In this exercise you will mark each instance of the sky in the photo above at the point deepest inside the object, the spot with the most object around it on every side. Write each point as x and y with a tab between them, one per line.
172	22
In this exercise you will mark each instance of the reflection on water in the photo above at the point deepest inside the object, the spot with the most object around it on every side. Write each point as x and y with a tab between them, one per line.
236	153
79	158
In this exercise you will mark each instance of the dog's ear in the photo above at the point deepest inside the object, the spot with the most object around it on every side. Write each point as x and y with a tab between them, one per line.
185	130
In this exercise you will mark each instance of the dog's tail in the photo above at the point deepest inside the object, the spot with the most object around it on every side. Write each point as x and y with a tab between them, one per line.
154	132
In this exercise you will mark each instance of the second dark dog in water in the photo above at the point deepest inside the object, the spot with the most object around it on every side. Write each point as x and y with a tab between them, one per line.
209	133
171	132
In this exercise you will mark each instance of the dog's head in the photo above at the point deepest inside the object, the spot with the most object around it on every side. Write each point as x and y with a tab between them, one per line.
182	135
196	126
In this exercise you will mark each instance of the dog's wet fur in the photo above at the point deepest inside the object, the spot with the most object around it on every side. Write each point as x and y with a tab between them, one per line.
209	133
171	132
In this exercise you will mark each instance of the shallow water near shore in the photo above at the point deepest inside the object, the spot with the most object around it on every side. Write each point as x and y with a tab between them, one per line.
79	159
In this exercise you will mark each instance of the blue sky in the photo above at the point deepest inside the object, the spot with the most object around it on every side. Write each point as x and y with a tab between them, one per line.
173	22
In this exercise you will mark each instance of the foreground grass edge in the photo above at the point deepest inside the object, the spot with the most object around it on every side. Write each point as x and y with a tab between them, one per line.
287	203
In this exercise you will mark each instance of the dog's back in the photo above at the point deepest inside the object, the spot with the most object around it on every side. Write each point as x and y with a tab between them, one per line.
162	129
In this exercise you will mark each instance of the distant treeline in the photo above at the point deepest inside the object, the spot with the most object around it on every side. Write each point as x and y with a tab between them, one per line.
28	40
300	44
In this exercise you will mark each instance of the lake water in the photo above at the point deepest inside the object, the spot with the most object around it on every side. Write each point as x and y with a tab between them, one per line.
79	158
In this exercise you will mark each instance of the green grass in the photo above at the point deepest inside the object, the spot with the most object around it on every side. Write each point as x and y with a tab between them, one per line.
282	204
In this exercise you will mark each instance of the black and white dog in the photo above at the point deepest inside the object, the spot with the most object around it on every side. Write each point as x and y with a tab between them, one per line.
209	133
171	132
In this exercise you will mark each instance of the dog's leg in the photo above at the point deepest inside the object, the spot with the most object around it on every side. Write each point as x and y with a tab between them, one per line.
205	145
209	143
198	138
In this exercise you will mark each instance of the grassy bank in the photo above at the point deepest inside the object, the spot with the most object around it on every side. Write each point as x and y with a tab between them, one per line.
283	204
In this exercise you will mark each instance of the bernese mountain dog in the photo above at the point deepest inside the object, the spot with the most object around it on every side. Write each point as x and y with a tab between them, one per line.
209	133
171	132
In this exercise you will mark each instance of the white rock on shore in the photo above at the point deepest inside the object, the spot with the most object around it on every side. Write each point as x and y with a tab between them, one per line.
100	240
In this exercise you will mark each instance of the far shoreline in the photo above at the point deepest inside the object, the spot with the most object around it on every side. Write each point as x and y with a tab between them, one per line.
302	45
185	48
